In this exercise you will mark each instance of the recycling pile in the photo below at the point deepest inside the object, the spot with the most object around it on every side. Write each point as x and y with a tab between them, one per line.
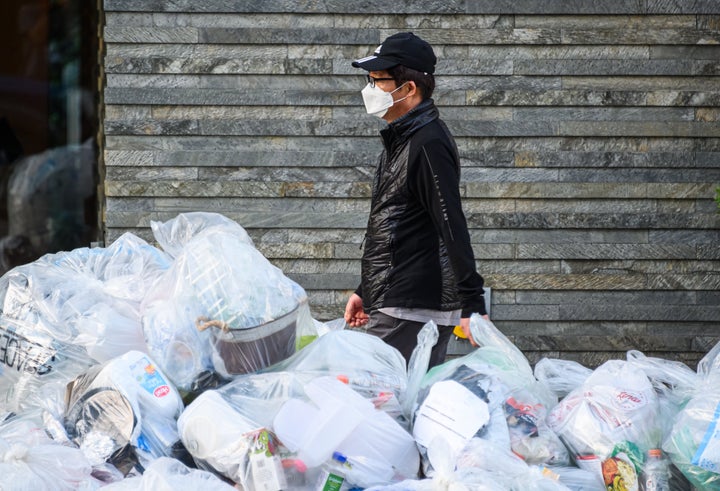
197	365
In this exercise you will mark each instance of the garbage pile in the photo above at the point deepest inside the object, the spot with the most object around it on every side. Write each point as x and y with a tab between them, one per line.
197	365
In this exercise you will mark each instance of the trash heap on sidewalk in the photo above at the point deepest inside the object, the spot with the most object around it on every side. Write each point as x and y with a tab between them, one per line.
197	365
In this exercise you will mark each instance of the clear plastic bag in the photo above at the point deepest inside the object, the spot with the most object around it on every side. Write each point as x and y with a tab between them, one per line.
67	311
609	421
124	404
250	310
693	443
560	376
368	365
168	474
30	460
499	376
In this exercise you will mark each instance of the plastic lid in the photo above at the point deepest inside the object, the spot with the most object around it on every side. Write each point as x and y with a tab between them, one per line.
655	452
339	457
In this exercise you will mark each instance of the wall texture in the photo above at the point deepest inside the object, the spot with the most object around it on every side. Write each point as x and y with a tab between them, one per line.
589	134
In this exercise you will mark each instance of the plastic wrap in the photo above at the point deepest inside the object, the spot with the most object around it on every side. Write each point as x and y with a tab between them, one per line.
67	311
247	311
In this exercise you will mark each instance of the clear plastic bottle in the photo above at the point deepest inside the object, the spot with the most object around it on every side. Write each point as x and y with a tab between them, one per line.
332	476
656	473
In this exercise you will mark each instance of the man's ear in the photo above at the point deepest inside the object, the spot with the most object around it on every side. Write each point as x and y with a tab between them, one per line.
413	88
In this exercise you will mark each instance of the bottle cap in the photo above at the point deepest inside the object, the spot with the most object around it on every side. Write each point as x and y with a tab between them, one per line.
339	457
655	452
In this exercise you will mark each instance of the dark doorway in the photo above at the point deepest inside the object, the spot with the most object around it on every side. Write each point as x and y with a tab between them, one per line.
49	73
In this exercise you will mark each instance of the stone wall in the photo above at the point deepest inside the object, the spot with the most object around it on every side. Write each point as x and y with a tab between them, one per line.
589	134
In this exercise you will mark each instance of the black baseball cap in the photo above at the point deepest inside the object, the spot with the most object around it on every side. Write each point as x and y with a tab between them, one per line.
403	48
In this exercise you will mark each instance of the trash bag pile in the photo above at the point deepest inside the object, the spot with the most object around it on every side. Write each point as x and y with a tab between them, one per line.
197	365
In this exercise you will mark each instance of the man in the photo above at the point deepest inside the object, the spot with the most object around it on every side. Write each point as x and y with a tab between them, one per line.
417	263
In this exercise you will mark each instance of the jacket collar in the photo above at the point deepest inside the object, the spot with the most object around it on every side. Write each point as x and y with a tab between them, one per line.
407	124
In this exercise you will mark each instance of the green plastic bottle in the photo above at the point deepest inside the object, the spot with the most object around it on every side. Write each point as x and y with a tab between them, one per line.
332	477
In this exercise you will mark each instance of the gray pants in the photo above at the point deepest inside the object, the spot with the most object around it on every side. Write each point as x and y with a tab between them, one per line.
402	335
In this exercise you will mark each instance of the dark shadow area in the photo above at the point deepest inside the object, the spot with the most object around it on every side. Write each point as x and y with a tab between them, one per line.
48	127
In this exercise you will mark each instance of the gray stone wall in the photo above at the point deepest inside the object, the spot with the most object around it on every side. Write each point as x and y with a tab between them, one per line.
589	134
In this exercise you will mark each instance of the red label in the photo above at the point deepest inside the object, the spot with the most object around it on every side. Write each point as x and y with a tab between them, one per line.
161	391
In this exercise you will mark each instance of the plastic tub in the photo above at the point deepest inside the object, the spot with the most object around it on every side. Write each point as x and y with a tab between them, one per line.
249	350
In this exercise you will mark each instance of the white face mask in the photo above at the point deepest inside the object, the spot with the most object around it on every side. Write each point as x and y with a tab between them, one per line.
377	101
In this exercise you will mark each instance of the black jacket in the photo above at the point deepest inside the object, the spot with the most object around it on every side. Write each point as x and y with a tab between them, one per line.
417	250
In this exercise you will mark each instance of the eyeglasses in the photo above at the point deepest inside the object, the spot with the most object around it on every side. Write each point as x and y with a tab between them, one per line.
373	80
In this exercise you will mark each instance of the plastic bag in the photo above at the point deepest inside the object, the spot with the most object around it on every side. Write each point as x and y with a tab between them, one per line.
174	234
333	418
306	418
249	312
166	474
67	311
124	406
608	423
693	443
29	460
364	362
418	365
560	376
498	376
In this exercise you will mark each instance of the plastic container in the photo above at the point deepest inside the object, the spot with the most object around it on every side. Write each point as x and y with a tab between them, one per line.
249	350
656	473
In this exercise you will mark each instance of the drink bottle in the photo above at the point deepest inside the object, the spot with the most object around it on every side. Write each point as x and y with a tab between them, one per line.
656	473
332	476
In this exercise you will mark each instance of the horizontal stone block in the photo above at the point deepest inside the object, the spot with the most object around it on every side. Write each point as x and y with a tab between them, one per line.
193	188
599	21
151	173
567	282
400	7
649	176
643	83
610	160
684	52
604	114
669	129
606	251
507	265
296	251
607	299
308	264
635	266
558	52
640	36
559	236
582	206
621	67
682	7
593	220
553	190
697	237
125	34
291	175
325	281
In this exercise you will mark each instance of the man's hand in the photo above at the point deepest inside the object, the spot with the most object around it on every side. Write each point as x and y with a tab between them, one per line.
355	316
465	324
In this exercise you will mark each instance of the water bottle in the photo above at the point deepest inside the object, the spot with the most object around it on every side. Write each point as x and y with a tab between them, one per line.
332	476
656	473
